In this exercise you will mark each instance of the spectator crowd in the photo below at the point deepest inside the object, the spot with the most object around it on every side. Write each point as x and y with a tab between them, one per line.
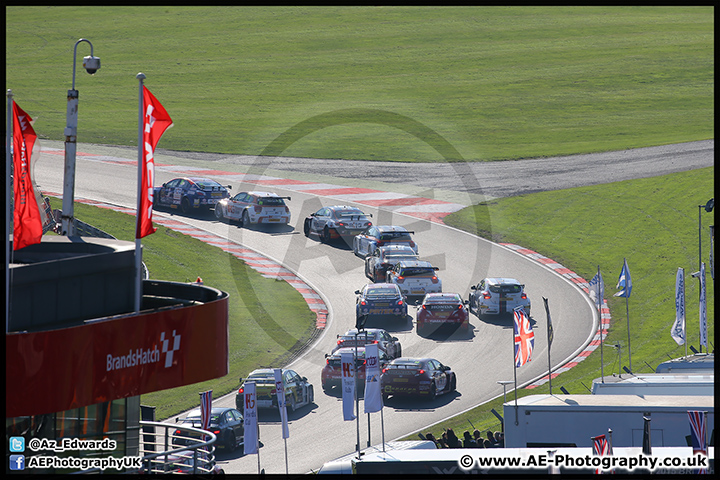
450	440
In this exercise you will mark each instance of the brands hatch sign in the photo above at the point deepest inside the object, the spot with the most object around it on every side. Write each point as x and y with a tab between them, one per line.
57	370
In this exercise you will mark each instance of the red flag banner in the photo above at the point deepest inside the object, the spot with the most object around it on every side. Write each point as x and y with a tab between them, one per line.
155	121
27	226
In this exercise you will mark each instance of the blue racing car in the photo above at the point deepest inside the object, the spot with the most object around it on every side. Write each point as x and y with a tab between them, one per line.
189	194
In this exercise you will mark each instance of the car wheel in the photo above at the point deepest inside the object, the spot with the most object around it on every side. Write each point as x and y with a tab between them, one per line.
218	213
185	206
453	383
306	228
433	391
311	394
245	219
398	352
293	403
230	442
326	235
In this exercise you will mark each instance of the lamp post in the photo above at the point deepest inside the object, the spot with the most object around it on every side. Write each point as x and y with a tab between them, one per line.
708	208
92	65
504	384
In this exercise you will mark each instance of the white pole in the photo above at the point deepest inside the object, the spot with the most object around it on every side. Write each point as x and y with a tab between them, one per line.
138	242
8	200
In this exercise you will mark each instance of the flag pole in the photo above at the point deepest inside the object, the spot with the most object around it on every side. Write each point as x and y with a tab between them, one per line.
515	376
138	241
8	200
599	302
549	339
627	309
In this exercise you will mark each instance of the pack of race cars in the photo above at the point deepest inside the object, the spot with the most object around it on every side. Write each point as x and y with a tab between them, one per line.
397	277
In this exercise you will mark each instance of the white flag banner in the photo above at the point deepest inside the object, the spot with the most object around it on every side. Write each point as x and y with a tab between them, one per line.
678	329
280	392
373	393
596	289
703	307
347	361
250	418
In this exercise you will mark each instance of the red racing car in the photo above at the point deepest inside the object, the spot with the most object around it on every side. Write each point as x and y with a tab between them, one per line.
442	309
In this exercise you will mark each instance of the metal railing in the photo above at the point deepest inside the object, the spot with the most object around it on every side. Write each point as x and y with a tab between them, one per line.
176	449
173	448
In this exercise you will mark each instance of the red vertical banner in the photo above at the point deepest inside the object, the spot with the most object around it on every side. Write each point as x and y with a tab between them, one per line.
27	227
155	121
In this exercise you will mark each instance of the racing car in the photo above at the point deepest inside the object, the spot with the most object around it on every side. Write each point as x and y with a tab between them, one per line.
378	235
442	309
254	207
189	194
380	299
332	371
339	221
298	391
384	258
386	342
417	376
498	295
415	279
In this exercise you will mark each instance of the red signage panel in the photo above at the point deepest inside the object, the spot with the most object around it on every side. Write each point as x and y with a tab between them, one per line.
57	370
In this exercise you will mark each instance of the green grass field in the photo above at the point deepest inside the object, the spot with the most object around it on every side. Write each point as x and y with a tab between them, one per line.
495	82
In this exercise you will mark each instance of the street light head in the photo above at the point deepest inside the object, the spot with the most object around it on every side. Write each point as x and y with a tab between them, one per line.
709	205
91	64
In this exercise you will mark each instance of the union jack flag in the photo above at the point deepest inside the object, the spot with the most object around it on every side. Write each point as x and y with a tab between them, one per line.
205	409
698	433
524	337
602	446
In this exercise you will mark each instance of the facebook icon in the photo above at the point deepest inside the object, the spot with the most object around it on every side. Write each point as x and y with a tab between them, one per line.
17	462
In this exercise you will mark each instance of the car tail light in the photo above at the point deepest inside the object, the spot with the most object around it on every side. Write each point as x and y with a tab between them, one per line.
460	307
216	431
340	342
434	279
411	243
178	432
363	303
523	296
341	224
287	210
487	296
273	391
327	361
400	279
369	224
200	193
400	302
380	243
384	370
421	371
258	209
424	307
241	390
375	341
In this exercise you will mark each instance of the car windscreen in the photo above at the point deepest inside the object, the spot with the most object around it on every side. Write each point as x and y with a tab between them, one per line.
348	213
506	288
208	185
261	377
395	236
270	201
381	293
417	271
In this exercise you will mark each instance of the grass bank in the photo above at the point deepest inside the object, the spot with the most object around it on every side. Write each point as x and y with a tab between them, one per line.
652	222
374	83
